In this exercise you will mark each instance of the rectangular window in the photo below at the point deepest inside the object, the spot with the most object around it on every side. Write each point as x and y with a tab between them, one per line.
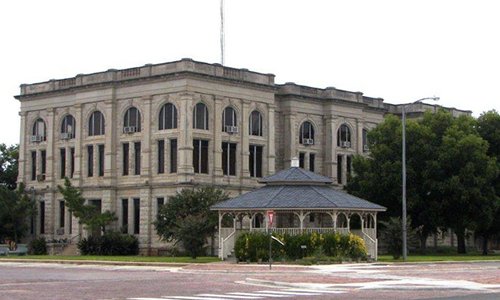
42	217
33	165
90	160
137	158
62	152
137	215
255	161
70	217
97	203
161	156
312	157
44	161
229	158
61	214
302	159
160	201
72	163
125	159
124	216
339	169
349	166
173	156
101	159
200	156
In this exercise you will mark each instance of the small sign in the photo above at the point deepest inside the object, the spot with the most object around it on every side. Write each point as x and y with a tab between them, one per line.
270	216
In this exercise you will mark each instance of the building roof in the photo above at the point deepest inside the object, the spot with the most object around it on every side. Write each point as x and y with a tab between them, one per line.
296	188
282	197
295	175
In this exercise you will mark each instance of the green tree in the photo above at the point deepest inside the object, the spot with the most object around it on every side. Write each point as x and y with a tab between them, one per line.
467	174
187	218
378	177
489	129
9	165
15	210
86	214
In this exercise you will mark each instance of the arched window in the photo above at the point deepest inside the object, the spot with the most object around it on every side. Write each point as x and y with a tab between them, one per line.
306	133
168	117
229	120
132	121
255	123
344	136
96	123
200	116
365	140
39	132
68	127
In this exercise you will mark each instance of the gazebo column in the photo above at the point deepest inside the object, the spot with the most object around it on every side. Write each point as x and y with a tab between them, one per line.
220	232
362	217
302	216
250	217
348	218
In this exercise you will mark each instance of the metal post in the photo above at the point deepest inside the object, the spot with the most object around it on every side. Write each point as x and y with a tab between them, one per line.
404	184
270	250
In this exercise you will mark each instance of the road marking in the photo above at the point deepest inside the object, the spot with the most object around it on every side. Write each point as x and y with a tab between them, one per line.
229	296
259	294
317	291
291	293
194	298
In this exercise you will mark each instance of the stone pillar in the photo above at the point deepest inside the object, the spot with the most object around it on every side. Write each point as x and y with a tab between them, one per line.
217	167
330	147
146	217
109	145
108	202
50	161
290	138
146	168
23	158
130	220
78	143
244	145
359	136
49	213
344	169
271	142
185	148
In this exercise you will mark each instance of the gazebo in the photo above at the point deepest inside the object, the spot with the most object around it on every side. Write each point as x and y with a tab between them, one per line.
300	201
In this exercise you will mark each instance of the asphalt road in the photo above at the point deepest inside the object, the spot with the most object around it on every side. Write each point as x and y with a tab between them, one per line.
231	281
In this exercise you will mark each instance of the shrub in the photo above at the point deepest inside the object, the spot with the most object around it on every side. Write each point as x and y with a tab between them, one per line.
254	246
38	246
111	243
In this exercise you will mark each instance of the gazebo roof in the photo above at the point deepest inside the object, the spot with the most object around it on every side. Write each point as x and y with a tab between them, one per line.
296	175
296	188
296	197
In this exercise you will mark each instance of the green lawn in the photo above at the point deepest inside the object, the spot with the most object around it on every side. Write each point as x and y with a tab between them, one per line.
440	257
156	259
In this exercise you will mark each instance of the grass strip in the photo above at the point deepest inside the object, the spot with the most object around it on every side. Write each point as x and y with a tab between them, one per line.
155	259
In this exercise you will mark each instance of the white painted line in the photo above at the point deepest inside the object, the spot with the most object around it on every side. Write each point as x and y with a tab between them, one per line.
317	291
259	294
194	298
290	293
147	299
229	296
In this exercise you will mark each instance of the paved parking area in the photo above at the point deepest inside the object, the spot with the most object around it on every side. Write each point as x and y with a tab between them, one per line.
478	280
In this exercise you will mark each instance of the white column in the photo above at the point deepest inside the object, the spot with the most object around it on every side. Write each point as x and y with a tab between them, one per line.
290	138
244	145
271	147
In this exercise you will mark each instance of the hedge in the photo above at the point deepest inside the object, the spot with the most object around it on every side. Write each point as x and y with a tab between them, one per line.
111	243
254	246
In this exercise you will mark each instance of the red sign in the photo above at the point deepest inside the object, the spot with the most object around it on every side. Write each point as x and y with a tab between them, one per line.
270	216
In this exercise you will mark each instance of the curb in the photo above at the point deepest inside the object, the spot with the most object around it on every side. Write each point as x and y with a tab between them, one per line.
95	262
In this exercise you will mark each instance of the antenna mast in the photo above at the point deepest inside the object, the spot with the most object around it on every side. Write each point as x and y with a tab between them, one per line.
222	42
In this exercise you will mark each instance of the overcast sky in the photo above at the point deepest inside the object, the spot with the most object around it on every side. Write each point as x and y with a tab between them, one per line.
397	50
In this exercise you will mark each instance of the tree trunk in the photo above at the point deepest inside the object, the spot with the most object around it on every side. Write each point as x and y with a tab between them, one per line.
460	240
485	244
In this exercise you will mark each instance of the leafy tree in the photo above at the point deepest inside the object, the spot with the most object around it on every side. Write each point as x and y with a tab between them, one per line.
489	129
392	235
87	214
9	165
467	174
187	218
15	210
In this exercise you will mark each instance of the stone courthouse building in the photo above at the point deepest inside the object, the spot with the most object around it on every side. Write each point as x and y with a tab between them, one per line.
131	138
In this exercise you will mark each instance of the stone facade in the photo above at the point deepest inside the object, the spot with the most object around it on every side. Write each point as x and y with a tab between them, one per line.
116	163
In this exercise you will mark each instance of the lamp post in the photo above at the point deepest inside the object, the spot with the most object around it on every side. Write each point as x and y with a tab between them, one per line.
403	221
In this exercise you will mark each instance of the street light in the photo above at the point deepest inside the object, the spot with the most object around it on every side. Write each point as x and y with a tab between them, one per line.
404	170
